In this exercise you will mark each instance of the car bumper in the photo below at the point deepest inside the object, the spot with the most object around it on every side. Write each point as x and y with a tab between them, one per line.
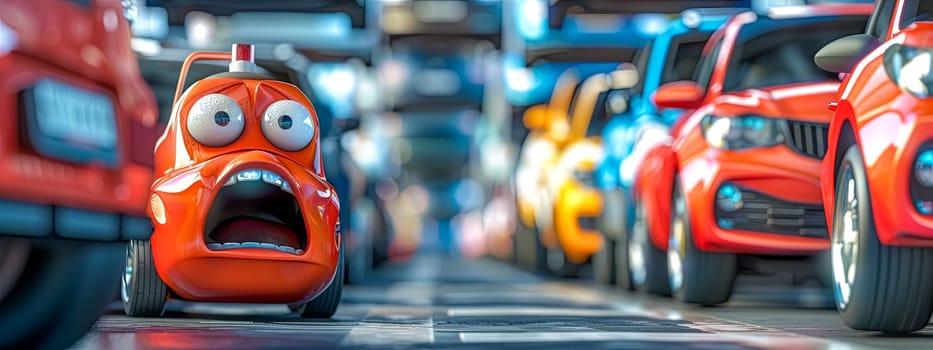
21	219
783	214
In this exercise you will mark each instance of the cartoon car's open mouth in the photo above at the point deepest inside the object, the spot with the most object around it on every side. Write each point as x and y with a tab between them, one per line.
256	209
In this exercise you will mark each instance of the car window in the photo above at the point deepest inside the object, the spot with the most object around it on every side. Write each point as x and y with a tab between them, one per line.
916	11
776	52
881	19
704	71
683	56
641	63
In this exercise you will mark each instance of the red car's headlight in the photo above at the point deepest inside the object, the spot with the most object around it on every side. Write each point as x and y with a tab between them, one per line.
743	132
910	68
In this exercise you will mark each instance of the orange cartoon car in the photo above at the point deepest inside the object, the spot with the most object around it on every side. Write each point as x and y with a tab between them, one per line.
241	208
877	176
741	176
75	120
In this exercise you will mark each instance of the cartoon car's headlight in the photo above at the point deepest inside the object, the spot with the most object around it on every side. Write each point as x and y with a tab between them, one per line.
735	133
910	68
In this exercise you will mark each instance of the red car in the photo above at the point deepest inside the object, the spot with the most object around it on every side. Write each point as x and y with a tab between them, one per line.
76	136
877	177
741	176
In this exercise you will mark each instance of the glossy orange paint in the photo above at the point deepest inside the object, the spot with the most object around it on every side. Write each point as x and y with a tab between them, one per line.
656	175
888	125
192	175
87	48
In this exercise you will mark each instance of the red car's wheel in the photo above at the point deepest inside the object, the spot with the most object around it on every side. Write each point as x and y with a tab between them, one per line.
142	290
63	288
877	287
695	276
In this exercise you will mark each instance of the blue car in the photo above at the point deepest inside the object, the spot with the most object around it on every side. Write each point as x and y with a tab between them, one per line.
671	56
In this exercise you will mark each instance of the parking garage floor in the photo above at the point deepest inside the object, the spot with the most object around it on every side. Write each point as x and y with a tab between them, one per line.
436	302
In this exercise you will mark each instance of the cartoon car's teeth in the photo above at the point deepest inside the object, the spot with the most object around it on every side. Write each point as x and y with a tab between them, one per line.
249	175
266	176
235	245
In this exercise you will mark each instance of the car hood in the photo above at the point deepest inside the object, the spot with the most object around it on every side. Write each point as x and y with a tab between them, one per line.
806	102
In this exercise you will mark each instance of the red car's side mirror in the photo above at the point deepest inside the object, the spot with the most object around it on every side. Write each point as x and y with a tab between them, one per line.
679	94
841	55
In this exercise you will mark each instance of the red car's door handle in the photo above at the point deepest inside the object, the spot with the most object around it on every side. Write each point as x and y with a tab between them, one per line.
832	105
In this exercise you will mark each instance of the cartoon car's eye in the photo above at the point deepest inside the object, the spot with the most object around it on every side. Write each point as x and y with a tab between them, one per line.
288	125
215	120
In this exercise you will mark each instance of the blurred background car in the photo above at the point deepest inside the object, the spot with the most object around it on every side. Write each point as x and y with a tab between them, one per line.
543	41
571	181
671	56
434	96
79	125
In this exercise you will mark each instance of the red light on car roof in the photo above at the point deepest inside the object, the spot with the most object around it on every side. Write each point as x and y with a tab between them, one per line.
242	58
243	52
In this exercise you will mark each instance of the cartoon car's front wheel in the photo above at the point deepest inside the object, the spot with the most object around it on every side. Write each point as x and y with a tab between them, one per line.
142	290
325	304
695	276
877	287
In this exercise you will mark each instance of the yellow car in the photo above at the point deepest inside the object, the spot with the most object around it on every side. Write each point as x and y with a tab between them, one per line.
548	128
571	187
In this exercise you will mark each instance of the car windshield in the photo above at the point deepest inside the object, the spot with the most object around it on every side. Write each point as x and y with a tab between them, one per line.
775	52
642	57
916	11
683	56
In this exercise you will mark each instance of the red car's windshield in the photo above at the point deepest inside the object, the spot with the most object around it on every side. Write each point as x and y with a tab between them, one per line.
781	52
916	11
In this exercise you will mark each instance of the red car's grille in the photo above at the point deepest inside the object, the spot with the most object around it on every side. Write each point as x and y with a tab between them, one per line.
762	213
808	138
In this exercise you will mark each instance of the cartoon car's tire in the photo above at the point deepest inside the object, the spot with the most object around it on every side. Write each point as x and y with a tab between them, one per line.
646	264
695	276
142	290
64	289
325	304
877	287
